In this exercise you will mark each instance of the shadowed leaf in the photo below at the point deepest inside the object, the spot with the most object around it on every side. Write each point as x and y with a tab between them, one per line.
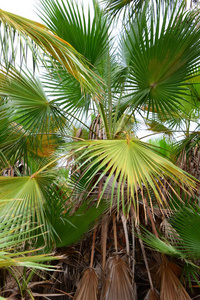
88	286
152	295
171	287
118	284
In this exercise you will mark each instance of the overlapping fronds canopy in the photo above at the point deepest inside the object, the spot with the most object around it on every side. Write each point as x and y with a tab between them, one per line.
29	120
87	30
39	39
68	146
35	204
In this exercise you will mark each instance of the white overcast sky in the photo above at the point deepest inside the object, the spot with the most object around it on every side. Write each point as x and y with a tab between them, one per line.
23	8
26	8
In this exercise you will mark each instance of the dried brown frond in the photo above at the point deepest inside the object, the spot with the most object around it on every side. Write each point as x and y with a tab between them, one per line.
189	161
169	232
171	287
152	295
87	288
118	281
97	130
104	236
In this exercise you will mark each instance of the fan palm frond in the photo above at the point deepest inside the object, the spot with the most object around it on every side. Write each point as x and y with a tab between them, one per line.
40	39
30	120
88	286
118	281
87	33
162	58
11	240
184	225
26	196
39	199
115	7
28	103
128	165
188	144
171	287
158	127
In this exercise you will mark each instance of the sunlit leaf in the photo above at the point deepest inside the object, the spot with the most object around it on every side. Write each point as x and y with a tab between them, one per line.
128	165
47	42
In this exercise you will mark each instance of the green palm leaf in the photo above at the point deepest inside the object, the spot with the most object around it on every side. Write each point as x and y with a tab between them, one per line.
162	58
29	119
128	165
39	39
186	242
26	197
11	245
186	222
160	245
28	104
8	259
3	162
188	144
115	7
188	111
87	33
70	228
184	233
67	93
158	127
42	202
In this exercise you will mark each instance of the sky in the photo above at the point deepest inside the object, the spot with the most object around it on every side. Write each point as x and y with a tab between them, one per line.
23	8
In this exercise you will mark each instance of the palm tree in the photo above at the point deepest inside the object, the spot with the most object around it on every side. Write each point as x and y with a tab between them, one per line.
68	132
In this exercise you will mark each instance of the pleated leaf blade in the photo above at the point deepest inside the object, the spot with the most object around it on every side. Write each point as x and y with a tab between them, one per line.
127	166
